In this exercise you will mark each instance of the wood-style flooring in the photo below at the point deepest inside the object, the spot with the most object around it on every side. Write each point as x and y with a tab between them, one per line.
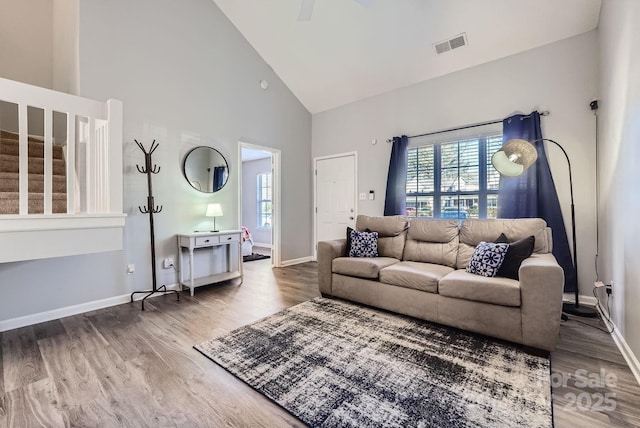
121	367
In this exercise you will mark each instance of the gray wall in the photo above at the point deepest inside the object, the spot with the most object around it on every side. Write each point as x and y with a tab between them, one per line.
250	170
618	154
187	78
26	49
65	46
561	77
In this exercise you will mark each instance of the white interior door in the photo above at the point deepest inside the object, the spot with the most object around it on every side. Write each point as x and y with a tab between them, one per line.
335	196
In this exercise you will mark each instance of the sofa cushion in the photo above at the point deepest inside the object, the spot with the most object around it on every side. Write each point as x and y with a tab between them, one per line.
464	285
487	258
363	244
361	267
392	232
416	275
432	241
473	231
518	251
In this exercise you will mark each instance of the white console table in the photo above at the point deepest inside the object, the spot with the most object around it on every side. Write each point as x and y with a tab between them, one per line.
210	240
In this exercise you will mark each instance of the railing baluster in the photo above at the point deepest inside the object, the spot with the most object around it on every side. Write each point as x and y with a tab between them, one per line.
101	166
23	131
91	169
71	164
48	161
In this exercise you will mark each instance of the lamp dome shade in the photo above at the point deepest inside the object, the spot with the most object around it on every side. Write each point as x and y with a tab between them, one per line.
514	157
214	210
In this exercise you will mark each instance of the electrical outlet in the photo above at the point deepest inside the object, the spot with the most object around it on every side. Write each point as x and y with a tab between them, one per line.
609	288
167	263
363	196
131	268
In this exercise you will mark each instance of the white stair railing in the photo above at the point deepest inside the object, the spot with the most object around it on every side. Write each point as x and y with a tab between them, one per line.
94	220
94	125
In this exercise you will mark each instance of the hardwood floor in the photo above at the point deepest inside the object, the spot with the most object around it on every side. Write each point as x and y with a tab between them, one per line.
120	366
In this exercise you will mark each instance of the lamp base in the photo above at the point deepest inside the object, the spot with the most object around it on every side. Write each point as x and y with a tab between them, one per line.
580	311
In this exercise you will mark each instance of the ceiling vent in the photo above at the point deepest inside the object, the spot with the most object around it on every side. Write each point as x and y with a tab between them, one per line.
453	43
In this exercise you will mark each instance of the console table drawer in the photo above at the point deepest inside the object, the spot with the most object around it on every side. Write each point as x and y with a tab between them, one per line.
205	241
229	238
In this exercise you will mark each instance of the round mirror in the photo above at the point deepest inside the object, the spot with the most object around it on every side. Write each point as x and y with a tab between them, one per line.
205	169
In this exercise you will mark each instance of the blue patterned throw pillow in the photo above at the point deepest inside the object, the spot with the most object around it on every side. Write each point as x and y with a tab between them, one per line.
363	244
487	258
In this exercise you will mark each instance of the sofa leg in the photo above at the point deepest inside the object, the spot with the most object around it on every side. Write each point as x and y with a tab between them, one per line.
326	296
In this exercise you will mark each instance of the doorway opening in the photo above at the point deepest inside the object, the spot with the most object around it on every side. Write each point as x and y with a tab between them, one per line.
259	202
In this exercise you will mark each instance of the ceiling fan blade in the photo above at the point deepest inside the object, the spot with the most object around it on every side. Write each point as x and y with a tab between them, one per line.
306	10
365	3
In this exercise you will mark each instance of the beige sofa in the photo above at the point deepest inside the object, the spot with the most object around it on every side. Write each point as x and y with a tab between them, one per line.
420	272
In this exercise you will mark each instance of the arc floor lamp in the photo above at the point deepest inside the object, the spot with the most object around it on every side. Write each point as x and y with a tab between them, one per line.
512	160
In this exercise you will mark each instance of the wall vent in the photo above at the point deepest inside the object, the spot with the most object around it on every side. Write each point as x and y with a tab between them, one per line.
453	43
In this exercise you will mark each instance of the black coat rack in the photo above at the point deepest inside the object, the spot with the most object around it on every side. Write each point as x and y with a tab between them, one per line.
151	209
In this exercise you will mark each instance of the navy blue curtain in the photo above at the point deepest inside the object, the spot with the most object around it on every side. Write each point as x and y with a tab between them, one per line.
395	202
218	177
533	194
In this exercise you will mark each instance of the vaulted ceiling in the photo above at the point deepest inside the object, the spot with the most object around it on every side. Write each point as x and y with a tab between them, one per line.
350	50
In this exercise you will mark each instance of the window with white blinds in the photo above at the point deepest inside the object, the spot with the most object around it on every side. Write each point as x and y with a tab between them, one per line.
453	179
265	189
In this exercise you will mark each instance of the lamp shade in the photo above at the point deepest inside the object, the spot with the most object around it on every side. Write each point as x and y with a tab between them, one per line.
214	210
514	157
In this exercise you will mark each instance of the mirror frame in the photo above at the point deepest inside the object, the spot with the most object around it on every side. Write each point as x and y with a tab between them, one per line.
184	168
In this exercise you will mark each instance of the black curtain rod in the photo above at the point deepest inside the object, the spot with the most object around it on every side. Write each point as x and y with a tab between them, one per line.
490	122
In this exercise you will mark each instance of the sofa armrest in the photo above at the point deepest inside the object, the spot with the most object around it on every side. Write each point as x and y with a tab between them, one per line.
327	251
541	285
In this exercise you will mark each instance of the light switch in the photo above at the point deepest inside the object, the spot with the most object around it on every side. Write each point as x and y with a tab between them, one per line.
363	196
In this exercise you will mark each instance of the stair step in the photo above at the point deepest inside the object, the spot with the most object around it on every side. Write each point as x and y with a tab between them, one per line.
36	148
9	175
10	182
10	163
8	135
10	203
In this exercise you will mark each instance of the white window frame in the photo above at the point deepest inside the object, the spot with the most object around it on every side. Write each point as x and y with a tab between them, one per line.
483	193
260	200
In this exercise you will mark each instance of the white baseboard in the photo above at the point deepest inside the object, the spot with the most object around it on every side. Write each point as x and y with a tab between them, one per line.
67	311
625	350
261	245
570	297
292	262
627	353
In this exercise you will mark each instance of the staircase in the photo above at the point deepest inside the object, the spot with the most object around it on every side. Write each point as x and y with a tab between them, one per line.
9	176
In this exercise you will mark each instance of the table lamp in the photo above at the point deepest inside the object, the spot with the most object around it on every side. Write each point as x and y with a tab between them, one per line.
214	210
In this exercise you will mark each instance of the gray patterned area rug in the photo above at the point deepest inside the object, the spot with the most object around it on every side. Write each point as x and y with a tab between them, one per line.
332	363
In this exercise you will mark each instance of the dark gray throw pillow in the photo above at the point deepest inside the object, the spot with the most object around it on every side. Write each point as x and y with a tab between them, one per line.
517	252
